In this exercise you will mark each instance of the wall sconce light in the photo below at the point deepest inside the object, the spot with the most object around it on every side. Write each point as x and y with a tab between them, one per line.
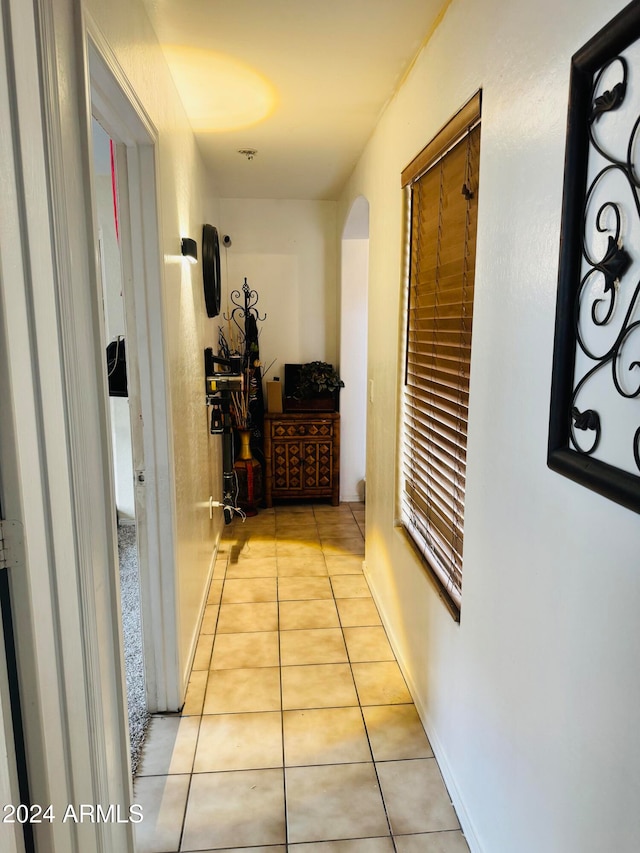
189	249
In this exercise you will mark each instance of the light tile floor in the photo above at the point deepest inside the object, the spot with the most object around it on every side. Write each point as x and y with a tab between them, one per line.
298	733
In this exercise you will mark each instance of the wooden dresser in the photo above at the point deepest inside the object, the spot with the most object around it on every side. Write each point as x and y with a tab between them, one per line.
302	453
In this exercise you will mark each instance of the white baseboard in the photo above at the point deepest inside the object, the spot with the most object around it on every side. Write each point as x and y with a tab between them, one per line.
186	675
351	499
438	750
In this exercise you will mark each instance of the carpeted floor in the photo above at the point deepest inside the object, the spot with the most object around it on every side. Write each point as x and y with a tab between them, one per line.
132	630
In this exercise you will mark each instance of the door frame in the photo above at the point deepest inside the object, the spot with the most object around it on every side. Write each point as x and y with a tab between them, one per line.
54	442
10	834
116	108
51	444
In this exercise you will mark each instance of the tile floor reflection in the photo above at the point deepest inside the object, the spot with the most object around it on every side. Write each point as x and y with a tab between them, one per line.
298	734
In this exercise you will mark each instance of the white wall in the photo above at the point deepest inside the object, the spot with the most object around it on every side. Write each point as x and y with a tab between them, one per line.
287	251
353	370
124	26
531	702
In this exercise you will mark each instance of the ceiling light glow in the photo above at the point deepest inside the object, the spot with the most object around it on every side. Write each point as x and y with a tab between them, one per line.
219	93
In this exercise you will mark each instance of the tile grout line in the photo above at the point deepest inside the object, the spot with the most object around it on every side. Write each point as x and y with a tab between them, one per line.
360	708
348	660
280	665
364	725
201	715
366	730
284	769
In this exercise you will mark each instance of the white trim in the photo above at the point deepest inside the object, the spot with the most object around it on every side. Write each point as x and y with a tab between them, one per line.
53	465
160	590
12	837
119	101
203	606
351	499
439	752
96	660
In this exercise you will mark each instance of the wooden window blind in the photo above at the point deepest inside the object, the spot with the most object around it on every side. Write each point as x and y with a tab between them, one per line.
444	203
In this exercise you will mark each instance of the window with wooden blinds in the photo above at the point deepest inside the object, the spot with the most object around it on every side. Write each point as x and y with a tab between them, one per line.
444	203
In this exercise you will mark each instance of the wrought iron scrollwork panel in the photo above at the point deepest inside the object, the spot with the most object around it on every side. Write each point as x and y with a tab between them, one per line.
594	434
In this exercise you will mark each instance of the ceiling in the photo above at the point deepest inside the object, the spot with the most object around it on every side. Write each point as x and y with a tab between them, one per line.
300	81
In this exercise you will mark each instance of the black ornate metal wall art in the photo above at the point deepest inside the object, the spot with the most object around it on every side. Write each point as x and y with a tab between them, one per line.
594	430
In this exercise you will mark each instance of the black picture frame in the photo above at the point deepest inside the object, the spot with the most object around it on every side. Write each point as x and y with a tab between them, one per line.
575	432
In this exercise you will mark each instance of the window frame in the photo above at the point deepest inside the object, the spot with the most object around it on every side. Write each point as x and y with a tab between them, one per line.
461	126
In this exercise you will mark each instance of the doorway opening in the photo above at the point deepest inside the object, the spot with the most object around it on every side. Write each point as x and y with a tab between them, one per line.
129	257
114	325
353	351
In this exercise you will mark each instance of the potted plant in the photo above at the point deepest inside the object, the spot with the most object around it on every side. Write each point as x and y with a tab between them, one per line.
317	387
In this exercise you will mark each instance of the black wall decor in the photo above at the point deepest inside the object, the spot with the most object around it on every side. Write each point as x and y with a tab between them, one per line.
211	269
594	431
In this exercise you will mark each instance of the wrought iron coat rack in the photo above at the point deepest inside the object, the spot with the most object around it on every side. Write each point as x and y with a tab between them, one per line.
246	317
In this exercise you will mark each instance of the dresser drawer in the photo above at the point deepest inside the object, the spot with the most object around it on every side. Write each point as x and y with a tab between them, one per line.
319	428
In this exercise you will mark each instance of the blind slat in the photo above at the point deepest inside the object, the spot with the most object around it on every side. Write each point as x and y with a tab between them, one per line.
442	464
438	349
432	389
437	552
451	434
441	408
419	484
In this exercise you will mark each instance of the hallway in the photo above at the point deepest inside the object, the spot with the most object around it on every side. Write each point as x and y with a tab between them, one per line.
298	732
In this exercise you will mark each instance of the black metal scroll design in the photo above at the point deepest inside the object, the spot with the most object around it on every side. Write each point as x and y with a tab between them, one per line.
245	314
608	270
